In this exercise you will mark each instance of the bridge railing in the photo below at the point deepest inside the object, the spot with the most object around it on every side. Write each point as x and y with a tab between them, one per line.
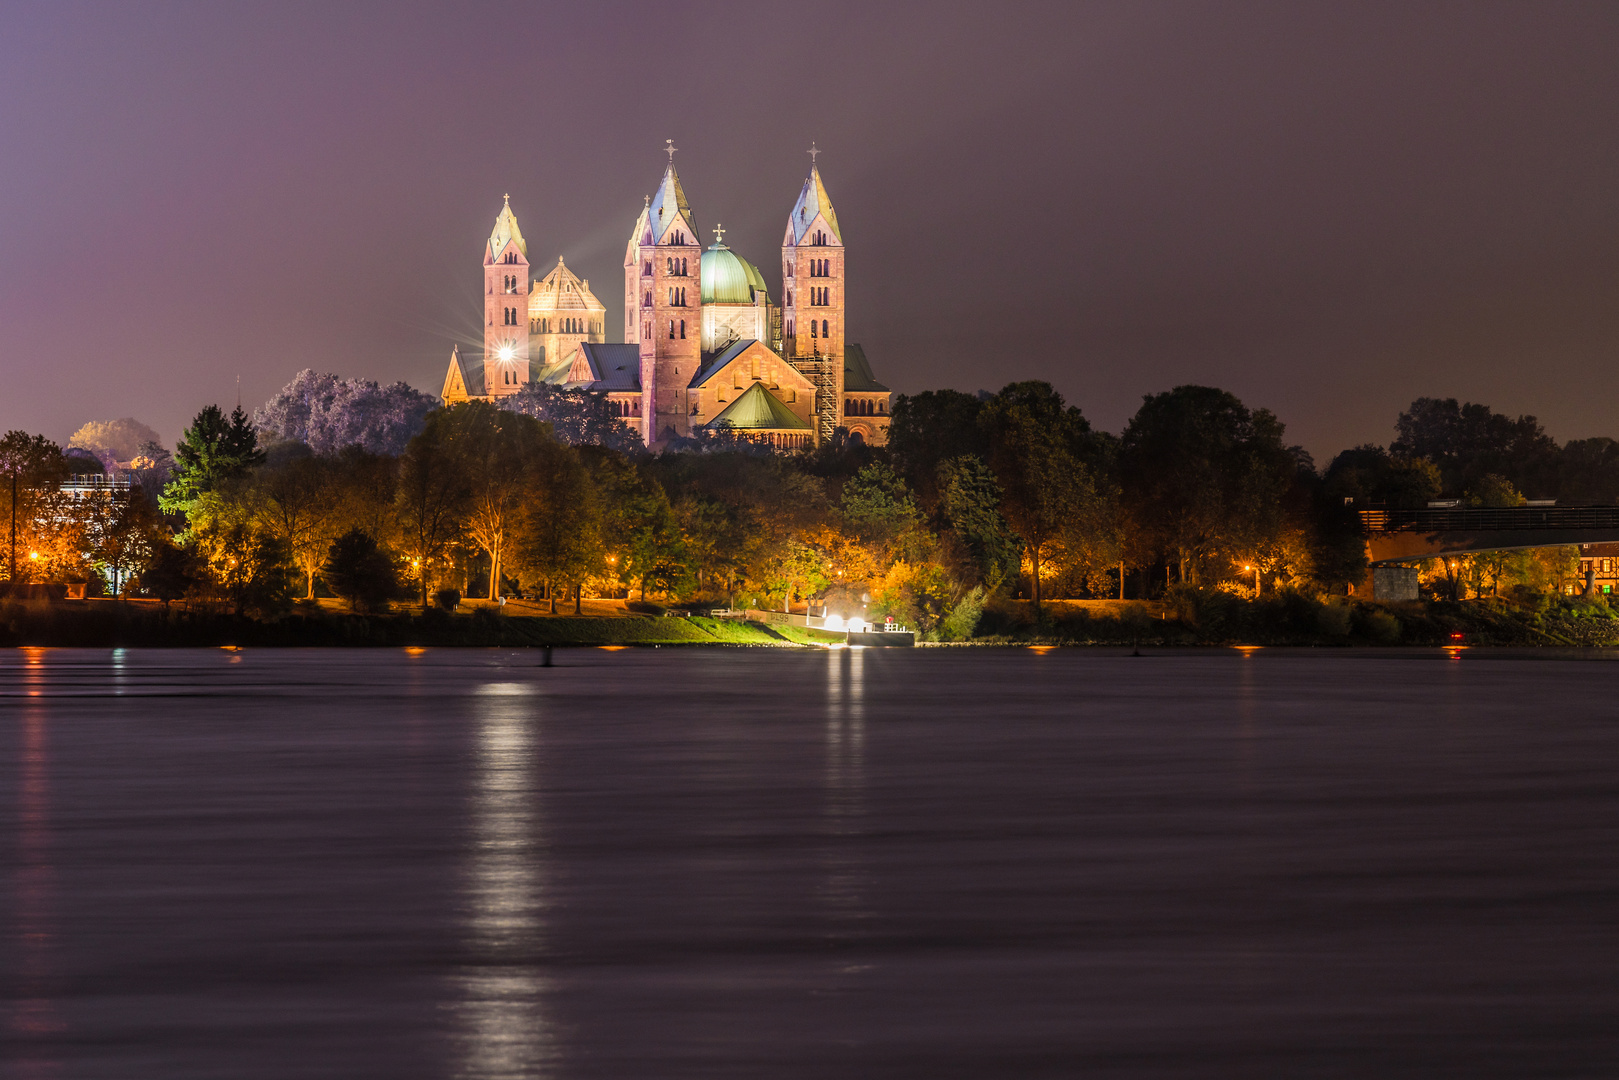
1490	519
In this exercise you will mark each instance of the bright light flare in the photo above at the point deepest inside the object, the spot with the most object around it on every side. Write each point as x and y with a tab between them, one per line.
506	352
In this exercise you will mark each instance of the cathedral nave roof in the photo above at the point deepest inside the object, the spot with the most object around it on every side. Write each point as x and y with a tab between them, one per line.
758	410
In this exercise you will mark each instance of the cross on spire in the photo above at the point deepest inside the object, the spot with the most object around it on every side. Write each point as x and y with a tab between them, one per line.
508	199
719	233
670	150
812	152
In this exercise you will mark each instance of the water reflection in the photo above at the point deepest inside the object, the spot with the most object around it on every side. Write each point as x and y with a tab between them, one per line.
33	1010
845	782
501	993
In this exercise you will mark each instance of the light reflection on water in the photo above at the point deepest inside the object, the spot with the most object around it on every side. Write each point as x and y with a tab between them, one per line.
502	996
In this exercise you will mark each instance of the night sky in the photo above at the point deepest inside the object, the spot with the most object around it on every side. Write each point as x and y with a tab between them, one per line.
1327	209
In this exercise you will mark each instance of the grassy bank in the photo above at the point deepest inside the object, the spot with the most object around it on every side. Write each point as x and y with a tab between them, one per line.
107	624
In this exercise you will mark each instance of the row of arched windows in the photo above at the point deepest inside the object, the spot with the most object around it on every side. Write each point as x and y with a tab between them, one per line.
508	317
820	268
509	378
677	238
677	297
511	258
509	283
676	267
821	297
628	408
672	329
820	238
823	328
865	407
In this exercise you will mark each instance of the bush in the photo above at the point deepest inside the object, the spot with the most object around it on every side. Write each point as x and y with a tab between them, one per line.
962	619
447	599
1333	620
1378	626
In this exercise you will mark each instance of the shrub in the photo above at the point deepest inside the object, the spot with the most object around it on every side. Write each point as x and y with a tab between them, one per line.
447	599
1334	620
1378	626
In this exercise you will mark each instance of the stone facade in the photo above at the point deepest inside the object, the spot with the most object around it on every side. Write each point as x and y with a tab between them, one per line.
711	352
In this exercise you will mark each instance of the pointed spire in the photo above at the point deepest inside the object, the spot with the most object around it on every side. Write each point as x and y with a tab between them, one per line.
506	230
669	200
813	201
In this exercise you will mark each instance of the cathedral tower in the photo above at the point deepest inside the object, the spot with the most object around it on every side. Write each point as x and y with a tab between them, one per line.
505	307
669	319
812	297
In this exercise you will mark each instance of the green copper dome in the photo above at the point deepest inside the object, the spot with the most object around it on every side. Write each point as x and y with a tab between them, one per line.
728	278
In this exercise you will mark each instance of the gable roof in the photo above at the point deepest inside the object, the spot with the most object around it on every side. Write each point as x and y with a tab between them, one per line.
758	410
463	377
813	202
615	366
857	374
717	363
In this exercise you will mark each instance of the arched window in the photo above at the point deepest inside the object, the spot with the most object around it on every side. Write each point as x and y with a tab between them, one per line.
682	334
671	329
882	406
823	329
683	268
812	328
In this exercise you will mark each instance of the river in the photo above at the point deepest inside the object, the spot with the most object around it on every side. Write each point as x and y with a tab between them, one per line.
781	863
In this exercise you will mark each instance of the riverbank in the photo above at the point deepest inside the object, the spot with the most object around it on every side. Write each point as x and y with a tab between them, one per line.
1185	621
111	624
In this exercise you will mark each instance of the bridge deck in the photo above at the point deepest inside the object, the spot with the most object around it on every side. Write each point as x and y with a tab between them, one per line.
1408	535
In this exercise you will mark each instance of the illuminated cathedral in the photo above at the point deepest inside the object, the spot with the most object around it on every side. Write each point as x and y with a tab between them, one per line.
705	348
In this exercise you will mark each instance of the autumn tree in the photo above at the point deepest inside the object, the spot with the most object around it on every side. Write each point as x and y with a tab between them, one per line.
432	496
31	468
494	449
559	536
1204	478
1045	457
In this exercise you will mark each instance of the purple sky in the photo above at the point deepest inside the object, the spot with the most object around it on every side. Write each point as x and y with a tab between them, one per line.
1328	210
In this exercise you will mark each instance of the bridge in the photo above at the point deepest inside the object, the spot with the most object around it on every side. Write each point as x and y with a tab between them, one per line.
1399	536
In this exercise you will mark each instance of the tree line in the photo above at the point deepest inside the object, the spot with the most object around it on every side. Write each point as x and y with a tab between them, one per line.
375	495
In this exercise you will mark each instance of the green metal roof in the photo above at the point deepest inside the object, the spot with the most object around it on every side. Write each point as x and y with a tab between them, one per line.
728	278
758	410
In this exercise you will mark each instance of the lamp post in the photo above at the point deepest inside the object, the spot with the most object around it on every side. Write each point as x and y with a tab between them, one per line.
1255	569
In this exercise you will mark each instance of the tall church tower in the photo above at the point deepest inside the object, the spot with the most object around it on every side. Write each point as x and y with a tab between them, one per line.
505	307
812	298
670	316
637	280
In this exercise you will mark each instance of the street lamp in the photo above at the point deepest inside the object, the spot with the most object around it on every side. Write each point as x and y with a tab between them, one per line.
1255	569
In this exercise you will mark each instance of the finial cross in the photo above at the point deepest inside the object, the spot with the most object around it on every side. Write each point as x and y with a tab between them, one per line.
812	152
671	148
719	233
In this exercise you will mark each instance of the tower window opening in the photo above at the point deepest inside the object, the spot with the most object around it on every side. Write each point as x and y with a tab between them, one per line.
682	334
823	329
671	329
646	270
812	328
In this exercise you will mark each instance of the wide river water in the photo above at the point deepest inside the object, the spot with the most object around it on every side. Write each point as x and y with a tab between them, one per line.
774	863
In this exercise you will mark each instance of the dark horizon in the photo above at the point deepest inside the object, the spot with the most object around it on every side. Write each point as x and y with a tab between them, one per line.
1329	213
